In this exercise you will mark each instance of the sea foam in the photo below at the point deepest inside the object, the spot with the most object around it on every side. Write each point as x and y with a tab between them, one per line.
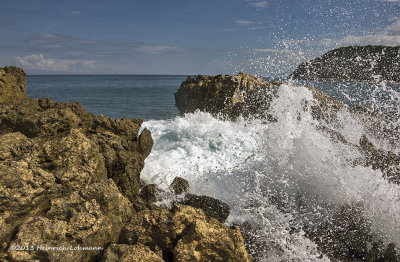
277	176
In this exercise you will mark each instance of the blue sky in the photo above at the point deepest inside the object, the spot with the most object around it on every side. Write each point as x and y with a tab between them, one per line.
267	38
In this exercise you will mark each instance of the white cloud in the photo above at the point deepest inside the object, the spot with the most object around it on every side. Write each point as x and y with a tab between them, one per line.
76	12
272	50
257	28
243	22
157	49
39	62
394	27
259	4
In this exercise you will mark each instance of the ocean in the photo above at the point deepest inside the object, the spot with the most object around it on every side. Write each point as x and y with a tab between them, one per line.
280	177
117	96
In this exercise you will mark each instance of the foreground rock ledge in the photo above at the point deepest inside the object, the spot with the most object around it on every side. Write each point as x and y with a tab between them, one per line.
70	180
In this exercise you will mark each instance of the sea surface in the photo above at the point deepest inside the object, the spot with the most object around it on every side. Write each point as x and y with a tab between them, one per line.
134	96
248	163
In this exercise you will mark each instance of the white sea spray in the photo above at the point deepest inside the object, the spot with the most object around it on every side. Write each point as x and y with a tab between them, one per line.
277	176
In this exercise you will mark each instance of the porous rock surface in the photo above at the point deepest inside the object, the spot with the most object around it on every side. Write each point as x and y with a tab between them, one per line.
230	96
186	234
70	182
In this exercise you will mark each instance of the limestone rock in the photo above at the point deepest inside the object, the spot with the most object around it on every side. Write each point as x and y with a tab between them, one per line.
12	83
130	253
346	236
184	230
70	182
209	242
67	177
230	96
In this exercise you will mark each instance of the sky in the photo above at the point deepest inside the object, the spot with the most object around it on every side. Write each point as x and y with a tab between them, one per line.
266	38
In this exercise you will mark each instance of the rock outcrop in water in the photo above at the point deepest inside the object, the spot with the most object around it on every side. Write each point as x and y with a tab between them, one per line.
344	236
242	95
230	96
70	190
353	63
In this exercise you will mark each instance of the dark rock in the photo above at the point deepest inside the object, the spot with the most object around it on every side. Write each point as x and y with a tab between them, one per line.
180	185
353	63
145	142
211	207
346	237
390	253
386	161
149	193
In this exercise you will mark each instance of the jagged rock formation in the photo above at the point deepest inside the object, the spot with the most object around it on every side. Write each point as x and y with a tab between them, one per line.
70	182
230	96
242	95
353	63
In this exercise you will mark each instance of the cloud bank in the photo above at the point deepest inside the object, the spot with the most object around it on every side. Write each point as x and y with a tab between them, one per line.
39	62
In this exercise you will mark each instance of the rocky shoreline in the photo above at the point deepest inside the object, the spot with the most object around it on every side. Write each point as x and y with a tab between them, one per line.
70	186
70	190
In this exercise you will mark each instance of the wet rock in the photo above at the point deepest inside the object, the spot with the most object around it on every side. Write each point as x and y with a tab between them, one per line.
324	108
180	185
244	95
386	161
211	207
149	193
353	63
145	142
130	253
186	234
346	236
